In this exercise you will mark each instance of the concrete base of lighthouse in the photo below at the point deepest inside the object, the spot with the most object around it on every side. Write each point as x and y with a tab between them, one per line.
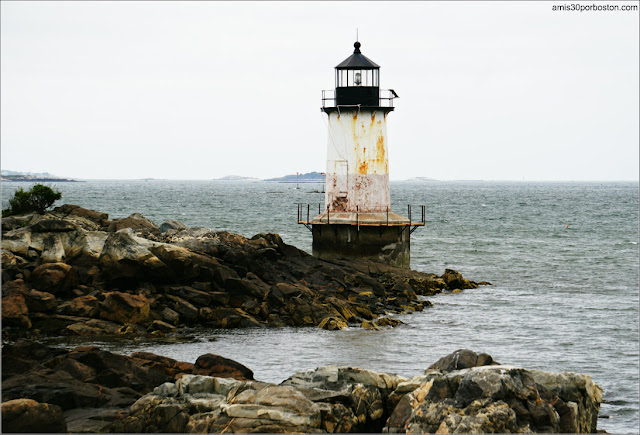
373	236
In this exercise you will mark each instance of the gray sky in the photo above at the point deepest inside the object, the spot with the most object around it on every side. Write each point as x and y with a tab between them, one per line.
488	90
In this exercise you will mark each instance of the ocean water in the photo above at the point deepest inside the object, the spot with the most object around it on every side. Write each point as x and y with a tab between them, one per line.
562	257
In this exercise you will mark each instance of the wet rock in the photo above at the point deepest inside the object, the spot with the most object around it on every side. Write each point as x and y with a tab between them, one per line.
164	364
215	365
159	325
455	280
332	324
462	359
26	415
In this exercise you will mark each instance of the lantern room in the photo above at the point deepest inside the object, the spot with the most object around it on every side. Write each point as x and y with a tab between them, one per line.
358	81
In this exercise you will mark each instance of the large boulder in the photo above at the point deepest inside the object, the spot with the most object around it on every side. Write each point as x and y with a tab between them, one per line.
26	415
126	258
582	396
496	399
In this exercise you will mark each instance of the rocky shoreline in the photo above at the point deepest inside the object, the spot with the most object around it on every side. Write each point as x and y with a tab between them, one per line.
93	391
73	271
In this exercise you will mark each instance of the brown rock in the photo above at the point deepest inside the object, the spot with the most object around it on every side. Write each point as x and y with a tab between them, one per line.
10	261
52	277
26	415
136	222
15	286
75	210
167	365
15	311
83	306
159	325
454	280
386	321
40	301
125	308
218	366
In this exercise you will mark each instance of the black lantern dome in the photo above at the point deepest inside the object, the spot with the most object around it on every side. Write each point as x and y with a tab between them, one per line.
358	80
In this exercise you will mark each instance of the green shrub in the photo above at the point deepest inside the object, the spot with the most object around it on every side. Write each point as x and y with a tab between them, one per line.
38	199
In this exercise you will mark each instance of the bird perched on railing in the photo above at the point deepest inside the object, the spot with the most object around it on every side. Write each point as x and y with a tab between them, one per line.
394	93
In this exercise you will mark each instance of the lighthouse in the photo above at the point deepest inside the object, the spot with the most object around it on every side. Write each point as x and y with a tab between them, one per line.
356	220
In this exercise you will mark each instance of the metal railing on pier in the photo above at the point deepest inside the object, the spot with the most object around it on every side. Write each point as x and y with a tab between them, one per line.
380	219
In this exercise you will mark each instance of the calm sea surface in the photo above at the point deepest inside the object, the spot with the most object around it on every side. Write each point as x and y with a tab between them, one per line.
563	299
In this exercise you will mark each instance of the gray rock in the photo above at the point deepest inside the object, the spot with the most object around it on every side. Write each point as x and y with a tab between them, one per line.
462	359
497	399
127	256
172	225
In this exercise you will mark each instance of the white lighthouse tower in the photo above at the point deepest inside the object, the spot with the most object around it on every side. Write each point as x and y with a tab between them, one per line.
356	221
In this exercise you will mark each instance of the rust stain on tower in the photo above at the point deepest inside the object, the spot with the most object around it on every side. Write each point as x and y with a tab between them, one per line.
357	221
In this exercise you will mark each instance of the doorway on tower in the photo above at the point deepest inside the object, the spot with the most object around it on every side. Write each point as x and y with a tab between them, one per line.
340	200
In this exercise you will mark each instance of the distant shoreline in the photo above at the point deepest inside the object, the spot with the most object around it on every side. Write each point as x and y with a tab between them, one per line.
23	179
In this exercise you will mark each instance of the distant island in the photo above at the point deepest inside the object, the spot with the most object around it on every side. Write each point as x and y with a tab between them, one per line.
236	178
32	177
309	177
421	179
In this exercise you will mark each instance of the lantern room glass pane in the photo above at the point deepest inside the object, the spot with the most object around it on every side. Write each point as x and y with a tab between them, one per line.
357	78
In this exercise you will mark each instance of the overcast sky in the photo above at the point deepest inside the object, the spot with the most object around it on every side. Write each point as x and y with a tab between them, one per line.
488	90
